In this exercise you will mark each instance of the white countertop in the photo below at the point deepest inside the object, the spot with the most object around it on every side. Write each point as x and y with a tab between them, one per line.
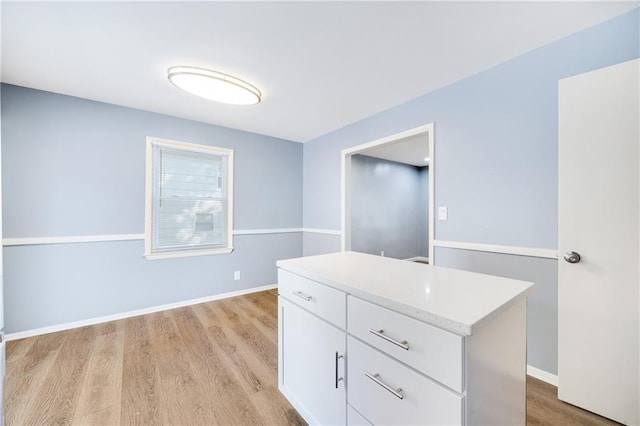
458	301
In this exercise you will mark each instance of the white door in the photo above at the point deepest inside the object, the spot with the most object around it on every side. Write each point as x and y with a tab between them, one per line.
598	201
2	343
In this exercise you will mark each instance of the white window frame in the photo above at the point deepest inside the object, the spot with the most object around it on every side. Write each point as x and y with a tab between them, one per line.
153	142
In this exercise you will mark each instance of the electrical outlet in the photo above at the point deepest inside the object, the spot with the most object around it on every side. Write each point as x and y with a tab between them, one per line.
236	275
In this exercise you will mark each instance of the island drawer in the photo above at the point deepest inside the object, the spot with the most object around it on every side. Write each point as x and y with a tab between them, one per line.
324	301
430	350
387	392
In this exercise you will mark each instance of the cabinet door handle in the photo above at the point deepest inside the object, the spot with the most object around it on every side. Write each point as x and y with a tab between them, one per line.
338	378
380	333
396	392
303	296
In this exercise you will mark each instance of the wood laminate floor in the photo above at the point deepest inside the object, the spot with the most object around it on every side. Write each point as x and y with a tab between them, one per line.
206	364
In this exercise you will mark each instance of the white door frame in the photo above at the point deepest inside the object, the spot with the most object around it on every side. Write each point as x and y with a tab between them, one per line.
428	130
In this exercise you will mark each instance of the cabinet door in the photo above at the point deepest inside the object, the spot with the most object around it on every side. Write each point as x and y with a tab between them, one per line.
308	365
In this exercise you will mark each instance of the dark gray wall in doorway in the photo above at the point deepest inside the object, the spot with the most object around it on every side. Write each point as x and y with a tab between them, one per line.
423	200
387	207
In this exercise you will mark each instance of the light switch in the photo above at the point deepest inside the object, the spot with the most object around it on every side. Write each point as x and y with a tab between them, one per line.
442	213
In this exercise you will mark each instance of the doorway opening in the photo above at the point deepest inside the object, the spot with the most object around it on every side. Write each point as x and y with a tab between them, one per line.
388	190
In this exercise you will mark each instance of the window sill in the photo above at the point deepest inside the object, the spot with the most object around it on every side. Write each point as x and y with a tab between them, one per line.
188	253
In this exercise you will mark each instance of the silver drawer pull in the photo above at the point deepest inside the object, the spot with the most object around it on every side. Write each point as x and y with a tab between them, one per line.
395	392
380	333
301	295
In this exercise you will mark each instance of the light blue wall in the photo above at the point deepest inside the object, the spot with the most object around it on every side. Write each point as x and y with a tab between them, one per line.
55	284
314	243
496	142
385	207
74	167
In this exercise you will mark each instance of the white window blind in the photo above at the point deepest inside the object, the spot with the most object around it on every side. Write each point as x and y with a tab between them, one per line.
190	199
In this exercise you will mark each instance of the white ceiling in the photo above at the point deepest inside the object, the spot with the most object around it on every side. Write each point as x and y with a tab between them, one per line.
320	65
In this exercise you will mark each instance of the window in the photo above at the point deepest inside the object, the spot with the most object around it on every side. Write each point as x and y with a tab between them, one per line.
189	199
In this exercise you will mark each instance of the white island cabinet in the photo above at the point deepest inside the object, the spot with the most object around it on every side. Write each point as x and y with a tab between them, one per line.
372	340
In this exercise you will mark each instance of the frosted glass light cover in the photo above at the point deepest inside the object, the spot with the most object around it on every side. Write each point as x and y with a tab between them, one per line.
215	86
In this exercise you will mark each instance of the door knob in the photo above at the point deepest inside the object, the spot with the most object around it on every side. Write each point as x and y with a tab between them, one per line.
572	257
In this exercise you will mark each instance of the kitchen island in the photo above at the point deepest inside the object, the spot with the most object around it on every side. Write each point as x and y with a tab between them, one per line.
365	340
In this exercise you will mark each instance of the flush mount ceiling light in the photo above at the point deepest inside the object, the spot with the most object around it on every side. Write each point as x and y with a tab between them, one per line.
214	85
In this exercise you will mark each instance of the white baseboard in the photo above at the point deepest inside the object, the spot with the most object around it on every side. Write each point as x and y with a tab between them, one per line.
418	258
545	376
129	314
